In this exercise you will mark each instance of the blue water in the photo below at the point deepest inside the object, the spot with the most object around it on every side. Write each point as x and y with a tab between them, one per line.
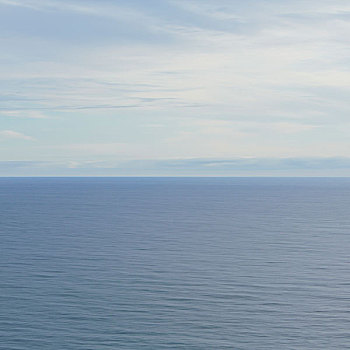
166	263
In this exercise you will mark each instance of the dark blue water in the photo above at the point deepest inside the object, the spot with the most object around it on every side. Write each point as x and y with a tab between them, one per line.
165	263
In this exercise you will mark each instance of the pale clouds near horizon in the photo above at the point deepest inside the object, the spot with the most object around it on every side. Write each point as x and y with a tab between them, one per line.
164	80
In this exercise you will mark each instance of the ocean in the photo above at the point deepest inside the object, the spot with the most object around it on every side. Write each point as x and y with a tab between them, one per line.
174	263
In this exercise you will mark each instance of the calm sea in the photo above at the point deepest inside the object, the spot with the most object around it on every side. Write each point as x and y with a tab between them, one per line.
174	263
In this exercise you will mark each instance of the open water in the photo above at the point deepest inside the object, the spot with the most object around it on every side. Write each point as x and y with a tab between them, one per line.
174	263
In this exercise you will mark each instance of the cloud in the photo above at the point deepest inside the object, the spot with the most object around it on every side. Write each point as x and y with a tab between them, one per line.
85	22
228	79
333	166
291	128
95	148
234	71
10	134
27	114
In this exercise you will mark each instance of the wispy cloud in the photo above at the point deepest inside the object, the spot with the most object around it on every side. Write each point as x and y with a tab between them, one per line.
228	79
182	167
27	114
10	134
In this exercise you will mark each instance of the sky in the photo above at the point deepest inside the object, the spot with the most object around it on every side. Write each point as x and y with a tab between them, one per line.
174	88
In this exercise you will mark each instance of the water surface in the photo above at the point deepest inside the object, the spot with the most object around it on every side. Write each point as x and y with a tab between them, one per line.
174	263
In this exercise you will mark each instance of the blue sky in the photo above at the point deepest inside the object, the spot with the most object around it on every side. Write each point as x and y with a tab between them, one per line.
174	87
